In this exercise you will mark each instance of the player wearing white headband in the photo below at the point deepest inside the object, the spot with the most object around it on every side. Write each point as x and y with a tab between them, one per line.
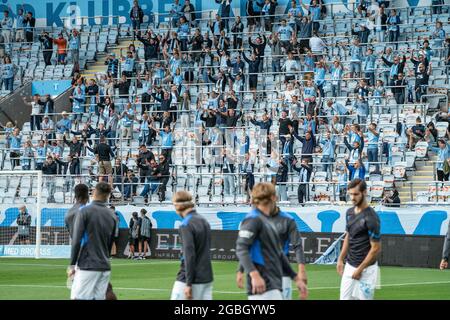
195	278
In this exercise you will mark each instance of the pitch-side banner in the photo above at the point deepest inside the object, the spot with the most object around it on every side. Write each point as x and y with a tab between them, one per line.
427	221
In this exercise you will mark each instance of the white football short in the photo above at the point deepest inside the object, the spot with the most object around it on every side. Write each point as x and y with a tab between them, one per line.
362	289
90	285
287	288
200	291
268	295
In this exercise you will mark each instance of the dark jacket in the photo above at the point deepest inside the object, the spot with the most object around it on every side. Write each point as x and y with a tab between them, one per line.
140	14
47	43
283	126
75	148
150	50
195	234
97	223
124	88
210	120
258	48
308	145
191	11
104	152
252	65
49	168
308	171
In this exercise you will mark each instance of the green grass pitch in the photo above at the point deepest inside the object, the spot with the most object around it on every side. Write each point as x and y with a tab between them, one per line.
153	279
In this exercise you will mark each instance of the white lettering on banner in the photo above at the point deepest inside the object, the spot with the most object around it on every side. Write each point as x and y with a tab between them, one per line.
321	248
176	242
304	246
60	251
162	242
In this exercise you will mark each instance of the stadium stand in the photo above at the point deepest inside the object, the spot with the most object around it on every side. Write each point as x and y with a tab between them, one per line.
308	100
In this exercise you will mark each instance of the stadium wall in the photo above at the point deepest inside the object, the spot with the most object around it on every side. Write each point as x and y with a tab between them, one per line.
54	12
423	221
411	237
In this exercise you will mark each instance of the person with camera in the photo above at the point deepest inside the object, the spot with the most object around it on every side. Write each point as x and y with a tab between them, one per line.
47	43
113	64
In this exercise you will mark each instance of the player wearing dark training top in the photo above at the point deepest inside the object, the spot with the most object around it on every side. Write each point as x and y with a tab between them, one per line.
361	247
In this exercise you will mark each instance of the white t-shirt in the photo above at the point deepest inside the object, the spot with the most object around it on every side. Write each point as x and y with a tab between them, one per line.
35	108
290	66
316	44
289	93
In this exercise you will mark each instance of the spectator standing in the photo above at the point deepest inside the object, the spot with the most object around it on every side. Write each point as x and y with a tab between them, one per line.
74	48
7	27
372	147
393	26
304	173
47	43
380	24
237	29
133	234
189	12
113	64
20	24
49	169
137	17
104	155
15	143
145	232
8	72
29	23
163	172
126	123
61	51
175	13
443	152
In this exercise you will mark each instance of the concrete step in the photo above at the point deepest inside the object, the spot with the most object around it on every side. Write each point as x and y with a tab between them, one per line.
99	65
421	178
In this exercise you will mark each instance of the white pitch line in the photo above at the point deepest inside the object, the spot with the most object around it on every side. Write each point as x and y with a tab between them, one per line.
223	292
112	265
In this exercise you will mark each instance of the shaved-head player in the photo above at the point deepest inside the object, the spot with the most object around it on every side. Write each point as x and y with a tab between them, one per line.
81	199
195	278
361	247
92	236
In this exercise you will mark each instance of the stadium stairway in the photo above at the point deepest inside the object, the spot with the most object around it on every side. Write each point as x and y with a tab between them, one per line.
99	65
423	173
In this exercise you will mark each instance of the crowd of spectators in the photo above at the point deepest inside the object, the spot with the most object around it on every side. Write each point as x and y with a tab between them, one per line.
200	90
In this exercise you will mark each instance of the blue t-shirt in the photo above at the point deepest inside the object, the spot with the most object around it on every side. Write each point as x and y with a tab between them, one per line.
285	33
